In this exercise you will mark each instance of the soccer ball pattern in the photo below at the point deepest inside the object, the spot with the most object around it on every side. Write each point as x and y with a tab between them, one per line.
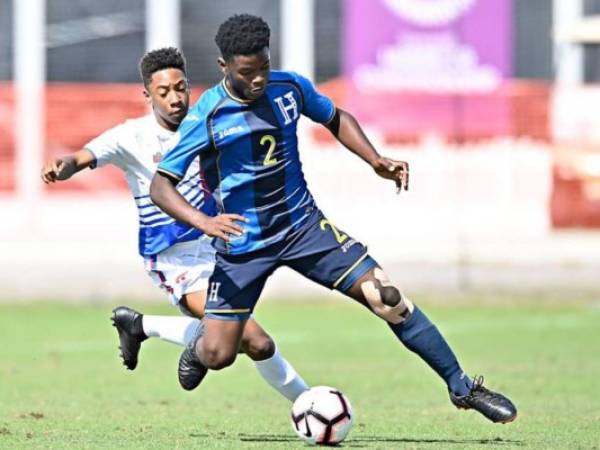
322	415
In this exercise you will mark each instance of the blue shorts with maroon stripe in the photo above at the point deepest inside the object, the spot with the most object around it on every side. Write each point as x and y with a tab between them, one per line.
319	251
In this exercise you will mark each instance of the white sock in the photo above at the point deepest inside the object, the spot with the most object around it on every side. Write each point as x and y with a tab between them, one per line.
175	329
282	376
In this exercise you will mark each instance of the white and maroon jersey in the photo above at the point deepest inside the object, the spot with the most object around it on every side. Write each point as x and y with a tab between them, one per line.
137	146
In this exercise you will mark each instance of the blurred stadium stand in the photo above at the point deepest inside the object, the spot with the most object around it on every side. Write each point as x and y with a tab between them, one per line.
496	174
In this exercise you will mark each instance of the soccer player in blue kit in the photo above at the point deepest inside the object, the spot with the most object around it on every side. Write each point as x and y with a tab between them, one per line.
244	130
177	257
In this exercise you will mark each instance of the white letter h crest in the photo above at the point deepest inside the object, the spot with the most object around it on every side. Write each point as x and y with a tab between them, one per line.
285	109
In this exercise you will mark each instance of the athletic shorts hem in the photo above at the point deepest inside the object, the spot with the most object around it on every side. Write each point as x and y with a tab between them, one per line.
227	316
363	266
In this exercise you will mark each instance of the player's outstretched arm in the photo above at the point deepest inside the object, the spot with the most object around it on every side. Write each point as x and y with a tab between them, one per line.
166	197
63	168
347	130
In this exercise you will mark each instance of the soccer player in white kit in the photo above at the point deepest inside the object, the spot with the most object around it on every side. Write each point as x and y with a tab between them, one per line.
178	258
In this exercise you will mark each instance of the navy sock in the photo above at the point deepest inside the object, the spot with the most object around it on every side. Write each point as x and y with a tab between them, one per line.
419	335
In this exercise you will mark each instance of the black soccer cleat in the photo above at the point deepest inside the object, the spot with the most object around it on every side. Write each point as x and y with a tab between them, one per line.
494	406
190	371
131	334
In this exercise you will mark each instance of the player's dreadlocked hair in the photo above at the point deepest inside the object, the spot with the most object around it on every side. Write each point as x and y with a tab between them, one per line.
242	34
159	59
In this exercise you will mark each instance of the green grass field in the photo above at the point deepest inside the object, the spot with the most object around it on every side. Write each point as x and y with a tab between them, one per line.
62	384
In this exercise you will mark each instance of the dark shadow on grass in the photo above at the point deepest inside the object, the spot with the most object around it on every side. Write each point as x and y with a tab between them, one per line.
361	441
249	437
268	438
494	441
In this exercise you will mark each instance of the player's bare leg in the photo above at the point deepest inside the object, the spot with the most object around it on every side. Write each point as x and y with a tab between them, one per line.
220	344
256	343
412	327
215	349
259	347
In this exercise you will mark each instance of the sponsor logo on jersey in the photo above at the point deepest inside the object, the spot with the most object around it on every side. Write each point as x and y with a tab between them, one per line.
348	244
230	131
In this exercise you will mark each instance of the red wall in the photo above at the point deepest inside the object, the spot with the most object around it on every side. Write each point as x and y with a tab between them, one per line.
75	113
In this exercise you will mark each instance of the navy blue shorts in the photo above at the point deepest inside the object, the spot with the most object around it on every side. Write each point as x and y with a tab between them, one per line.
319	251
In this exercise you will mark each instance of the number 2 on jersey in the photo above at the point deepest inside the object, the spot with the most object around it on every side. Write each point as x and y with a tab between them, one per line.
340	237
270	140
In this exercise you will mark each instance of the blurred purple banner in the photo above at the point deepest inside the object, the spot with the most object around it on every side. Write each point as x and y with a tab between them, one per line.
439	46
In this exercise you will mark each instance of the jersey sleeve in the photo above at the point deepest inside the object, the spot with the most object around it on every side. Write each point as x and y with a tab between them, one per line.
106	148
191	139
316	106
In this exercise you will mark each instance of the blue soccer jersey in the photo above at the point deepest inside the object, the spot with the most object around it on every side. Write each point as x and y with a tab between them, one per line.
249	156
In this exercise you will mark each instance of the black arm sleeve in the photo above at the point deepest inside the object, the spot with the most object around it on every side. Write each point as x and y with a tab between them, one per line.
334	124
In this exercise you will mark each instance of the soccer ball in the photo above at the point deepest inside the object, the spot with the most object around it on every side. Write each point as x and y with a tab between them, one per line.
322	415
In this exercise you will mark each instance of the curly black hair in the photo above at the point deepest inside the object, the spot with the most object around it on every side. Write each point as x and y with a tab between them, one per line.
242	34
159	59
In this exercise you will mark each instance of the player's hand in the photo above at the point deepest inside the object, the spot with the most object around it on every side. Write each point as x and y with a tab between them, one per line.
223	226
52	170
392	169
